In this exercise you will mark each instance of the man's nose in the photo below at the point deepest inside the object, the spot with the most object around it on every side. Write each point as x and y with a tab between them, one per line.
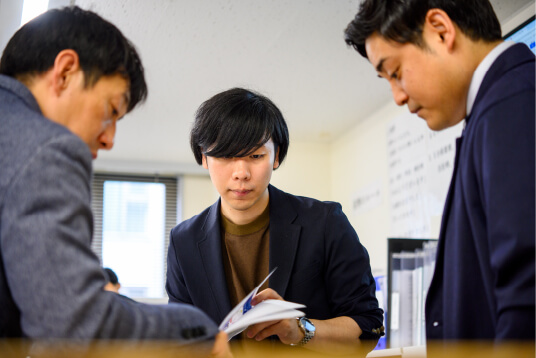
107	137
399	95
241	169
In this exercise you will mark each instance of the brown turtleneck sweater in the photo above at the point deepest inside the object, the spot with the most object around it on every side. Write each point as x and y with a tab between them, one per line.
245	255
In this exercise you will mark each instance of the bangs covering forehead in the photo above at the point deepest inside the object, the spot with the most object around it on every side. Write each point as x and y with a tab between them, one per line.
241	128
236	143
235	123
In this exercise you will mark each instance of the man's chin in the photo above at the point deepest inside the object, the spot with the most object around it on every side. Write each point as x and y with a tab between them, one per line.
433	123
439	125
434	127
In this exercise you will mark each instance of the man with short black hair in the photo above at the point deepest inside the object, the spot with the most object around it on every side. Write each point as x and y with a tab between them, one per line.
217	257
66	78
446	61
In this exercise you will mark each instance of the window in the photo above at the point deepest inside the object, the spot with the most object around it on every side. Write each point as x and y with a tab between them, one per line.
133	216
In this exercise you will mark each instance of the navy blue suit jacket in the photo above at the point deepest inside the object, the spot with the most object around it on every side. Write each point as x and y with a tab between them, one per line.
320	262
483	285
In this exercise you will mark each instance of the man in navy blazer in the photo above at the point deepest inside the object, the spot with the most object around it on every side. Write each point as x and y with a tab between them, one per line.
446	61
66	78
220	255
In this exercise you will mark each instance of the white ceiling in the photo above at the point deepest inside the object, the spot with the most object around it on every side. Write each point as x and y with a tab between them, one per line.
293	51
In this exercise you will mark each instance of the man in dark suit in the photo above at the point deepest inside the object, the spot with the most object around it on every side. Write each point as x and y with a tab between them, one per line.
446	61
217	257
66	78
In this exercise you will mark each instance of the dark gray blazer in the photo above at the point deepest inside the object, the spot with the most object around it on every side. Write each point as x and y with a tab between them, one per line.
50	281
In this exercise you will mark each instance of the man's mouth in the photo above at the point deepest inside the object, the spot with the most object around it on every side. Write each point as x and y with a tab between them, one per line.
415	110
241	192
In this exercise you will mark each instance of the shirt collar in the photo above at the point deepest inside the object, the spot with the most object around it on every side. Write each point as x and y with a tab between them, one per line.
480	72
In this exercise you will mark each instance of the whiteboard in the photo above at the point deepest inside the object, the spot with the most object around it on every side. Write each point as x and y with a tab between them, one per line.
420	164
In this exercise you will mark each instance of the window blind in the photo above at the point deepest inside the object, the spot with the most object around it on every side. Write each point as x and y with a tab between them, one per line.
172	200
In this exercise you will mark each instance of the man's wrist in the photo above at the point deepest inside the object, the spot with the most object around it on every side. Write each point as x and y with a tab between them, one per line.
308	330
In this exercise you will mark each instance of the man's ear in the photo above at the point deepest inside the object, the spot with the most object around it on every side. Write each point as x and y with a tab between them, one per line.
439	28
204	161
276	159
66	65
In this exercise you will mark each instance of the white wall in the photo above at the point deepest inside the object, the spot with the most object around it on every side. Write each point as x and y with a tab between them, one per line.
10	14
306	171
198	193
518	17
360	159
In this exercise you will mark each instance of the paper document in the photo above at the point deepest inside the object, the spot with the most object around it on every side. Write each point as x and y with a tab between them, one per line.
244	314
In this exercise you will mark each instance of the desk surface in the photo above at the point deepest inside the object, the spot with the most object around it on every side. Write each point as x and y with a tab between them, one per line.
9	349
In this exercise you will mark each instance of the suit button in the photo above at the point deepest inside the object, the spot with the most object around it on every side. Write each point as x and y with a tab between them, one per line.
199	331
435	324
193	332
186	333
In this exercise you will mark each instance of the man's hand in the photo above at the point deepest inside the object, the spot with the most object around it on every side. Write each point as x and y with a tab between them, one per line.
339	335
287	329
221	347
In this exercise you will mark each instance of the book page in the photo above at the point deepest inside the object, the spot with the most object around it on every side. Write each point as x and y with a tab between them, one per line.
244	314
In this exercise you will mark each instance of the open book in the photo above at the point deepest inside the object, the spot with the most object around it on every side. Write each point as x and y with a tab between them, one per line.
244	314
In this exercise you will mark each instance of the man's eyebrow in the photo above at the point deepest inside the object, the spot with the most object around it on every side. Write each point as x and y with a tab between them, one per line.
379	67
126	98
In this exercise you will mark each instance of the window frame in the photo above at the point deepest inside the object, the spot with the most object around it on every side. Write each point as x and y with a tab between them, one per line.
172	209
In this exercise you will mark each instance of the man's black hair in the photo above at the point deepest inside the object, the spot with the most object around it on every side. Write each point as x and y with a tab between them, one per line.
402	21
110	276
235	123
101	47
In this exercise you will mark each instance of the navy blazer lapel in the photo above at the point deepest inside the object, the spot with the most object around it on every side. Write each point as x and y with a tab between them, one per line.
211	255
438	271
284	238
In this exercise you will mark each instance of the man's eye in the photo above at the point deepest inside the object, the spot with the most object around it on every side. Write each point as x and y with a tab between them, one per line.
257	156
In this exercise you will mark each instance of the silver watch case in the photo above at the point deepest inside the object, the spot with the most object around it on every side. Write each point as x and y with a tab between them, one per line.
308	329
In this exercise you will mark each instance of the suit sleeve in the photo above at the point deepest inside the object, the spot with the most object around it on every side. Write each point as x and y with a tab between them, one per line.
348	276
506	178
54	277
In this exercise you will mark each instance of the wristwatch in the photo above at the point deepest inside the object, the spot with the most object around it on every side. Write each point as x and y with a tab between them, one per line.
308	329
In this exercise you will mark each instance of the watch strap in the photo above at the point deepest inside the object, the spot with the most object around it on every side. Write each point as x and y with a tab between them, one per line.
308	335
